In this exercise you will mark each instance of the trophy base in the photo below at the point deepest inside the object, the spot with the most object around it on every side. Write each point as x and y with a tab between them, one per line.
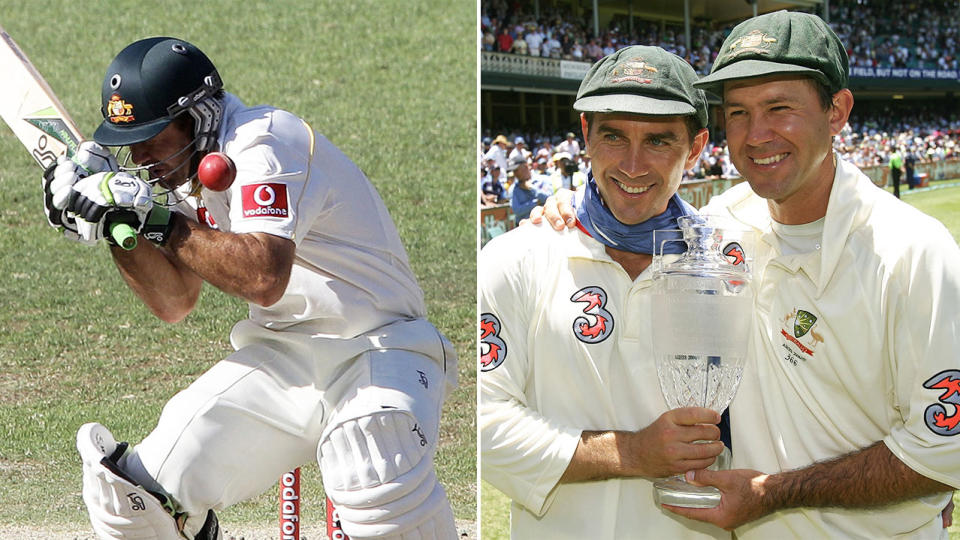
676	491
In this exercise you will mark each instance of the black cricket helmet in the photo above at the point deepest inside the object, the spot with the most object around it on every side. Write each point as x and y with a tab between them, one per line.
151	82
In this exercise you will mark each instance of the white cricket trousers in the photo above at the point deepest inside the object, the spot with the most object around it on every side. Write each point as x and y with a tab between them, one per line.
261	411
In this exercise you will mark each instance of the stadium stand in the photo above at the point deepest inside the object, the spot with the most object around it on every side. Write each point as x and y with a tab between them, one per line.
904	75
923	34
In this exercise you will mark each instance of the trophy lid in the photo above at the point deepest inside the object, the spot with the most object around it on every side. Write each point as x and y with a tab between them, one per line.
712	250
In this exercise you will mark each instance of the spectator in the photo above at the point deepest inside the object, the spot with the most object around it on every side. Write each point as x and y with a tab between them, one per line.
551	47
498	152
909	167
540	173
504	40
594	52
492	189
584	163
519	45
489	40
569	145
526	194
519	149
534	40
566	174
576	51
487	141
545	149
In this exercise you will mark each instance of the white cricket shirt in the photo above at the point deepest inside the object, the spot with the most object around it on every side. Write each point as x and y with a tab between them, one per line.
351	273
847	340
565	348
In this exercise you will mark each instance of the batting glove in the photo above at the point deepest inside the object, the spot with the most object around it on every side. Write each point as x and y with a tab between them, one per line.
61	220
109	197
91	158
59	178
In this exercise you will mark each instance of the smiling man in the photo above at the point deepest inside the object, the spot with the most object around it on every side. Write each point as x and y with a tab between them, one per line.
845	423
573	424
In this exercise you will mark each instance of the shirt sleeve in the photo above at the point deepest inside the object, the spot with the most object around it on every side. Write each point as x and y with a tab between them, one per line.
523	454
272	178
925	330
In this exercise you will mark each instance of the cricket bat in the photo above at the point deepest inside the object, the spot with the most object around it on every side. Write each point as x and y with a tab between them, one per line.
35	115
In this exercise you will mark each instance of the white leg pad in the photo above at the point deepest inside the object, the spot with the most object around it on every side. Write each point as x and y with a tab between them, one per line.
118	508
378	471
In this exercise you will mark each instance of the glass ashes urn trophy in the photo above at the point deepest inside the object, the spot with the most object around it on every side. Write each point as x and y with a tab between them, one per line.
700	314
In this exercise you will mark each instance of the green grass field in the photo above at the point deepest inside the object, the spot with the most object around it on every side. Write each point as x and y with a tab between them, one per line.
943	204
392	83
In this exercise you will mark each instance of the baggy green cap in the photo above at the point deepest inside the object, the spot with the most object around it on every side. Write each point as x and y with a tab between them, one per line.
642	80
778	43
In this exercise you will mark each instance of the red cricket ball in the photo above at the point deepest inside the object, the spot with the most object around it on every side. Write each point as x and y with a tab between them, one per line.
217	171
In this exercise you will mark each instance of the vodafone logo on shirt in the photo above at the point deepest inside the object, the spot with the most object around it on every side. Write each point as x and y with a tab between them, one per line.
264	200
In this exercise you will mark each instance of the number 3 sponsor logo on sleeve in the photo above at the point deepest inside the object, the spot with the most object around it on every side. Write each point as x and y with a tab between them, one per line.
944	420
493	350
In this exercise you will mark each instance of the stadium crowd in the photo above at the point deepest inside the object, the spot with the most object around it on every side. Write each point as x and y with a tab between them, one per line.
916	34
557	33
921	34
510	171
927	131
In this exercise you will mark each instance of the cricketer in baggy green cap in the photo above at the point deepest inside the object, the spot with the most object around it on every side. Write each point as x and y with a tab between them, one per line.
781	42
642	80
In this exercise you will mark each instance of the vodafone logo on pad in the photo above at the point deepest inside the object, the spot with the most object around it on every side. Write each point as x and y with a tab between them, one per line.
264	200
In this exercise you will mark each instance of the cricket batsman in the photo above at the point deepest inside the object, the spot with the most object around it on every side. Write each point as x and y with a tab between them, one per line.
336	360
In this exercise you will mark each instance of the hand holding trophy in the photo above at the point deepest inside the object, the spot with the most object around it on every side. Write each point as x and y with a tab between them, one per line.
700	315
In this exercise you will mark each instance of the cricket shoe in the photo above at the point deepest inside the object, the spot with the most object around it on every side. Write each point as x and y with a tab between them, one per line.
119	507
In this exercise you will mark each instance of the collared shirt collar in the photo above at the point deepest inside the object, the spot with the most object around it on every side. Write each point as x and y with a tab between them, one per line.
848	206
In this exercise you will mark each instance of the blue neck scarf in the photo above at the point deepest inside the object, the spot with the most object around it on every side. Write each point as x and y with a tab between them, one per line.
599	222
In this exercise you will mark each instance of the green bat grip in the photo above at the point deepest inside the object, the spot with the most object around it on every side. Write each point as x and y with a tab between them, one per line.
124	235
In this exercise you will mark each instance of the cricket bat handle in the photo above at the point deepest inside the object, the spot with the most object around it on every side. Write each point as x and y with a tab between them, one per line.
124	235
